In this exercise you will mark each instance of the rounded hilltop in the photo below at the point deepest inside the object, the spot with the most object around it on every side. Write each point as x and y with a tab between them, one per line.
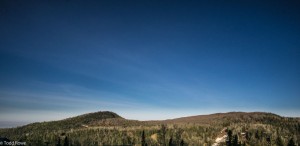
100	115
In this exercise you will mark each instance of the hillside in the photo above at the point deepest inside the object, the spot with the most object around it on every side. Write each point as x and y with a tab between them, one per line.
108	128
61	125
74	122
235	117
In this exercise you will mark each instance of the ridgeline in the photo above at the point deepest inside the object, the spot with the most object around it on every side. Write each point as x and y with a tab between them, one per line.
108	128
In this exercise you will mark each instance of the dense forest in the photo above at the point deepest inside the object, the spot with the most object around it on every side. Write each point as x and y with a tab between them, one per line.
108	128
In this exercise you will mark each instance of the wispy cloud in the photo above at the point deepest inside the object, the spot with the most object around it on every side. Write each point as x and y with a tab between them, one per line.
60	98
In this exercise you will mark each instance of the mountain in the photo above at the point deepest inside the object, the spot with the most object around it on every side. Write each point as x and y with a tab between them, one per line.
231	117
107	118
108	128
74	122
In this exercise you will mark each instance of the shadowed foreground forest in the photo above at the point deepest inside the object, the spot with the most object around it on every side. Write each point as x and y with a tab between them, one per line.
108	128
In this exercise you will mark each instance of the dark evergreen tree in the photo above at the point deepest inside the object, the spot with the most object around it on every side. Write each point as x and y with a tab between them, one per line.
143	139
235	140
171	142
244	143
162	135
66	141
229	140
181	142
279	141
291	142
58	142
177	137
256	134
247	136
47	143
268	139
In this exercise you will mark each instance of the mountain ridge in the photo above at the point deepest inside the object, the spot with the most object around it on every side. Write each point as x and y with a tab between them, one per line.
100	117
108	128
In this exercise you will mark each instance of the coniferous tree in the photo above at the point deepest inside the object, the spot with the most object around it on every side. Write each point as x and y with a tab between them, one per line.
268	139
244	143
247	136
279	141
162	135
235	140
58	142
143	139
177	138
46	143
229	134
256	134
171	142
181	142
66	141
291	142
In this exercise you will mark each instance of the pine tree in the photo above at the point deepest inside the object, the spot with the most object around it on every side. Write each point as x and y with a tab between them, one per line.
229	133
143	139
256	134
243	144
162	135
279	141
291	142
268	139
47	143
177	137
182	142
171	142
235	140
58	142
247	136
66	141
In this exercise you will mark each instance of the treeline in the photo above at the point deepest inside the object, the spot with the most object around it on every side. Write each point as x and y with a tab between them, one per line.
110	129
167	135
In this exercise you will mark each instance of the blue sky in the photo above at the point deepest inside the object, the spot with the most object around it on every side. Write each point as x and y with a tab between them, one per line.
148	59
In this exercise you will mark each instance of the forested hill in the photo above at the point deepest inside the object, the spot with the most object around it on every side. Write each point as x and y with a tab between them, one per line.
90	118
108	128
233	117
70	123
107	119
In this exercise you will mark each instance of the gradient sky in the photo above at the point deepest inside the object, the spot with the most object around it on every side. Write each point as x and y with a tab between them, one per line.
148	59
